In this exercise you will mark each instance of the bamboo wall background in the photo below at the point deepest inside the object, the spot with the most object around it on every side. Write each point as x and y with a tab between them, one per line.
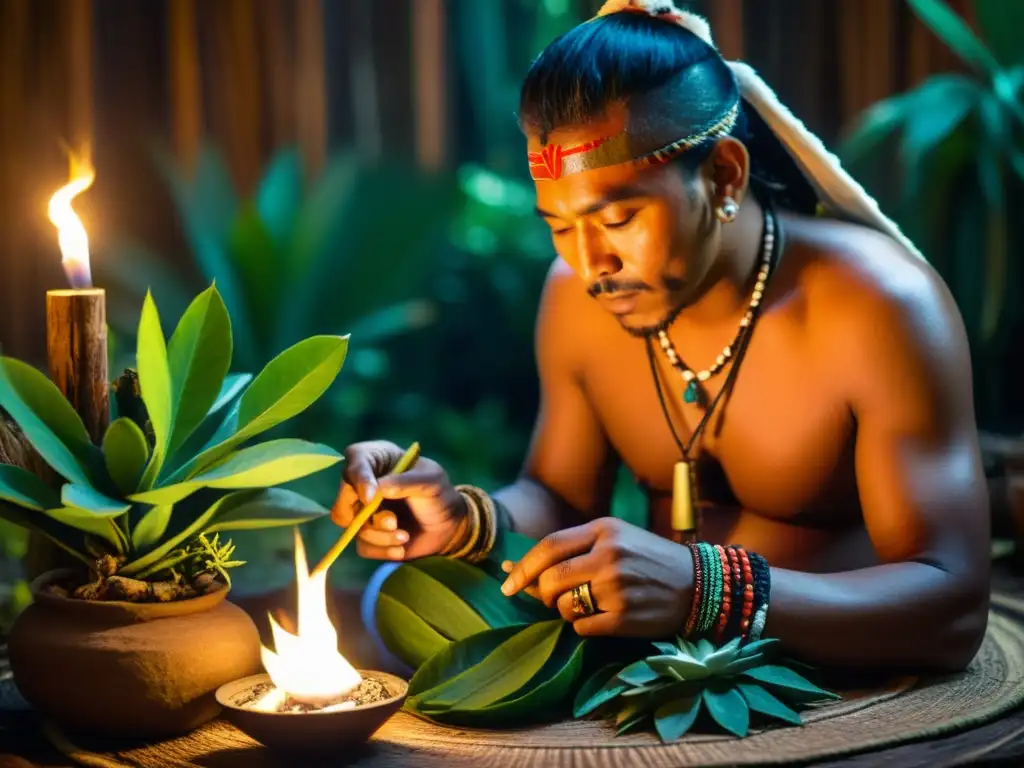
387	77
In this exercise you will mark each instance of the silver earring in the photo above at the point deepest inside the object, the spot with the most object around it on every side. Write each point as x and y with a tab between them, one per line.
727	211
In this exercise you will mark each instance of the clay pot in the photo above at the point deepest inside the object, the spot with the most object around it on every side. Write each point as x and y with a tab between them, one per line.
133	670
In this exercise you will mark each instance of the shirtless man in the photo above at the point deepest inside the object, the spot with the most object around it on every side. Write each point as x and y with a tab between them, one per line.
844	453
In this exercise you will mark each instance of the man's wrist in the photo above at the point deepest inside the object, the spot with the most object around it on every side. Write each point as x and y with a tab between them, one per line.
478	531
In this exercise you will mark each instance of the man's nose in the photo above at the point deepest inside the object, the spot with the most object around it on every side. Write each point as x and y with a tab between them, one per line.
597	259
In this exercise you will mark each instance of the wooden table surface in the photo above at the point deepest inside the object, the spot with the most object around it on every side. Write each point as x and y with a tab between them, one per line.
1000	742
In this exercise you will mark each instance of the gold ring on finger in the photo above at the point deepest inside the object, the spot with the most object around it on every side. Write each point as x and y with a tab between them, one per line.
582	600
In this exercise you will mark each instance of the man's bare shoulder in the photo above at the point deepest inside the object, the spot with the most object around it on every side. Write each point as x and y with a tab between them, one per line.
870	304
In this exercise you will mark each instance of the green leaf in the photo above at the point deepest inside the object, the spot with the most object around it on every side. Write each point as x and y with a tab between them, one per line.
742	663
718	659
955	33
98	524
482	592
728	708
405	634
49	422
435	603
269	508
759	646
219	424
254	256
69	539
874	126
703	649
1001	22
510	667
198	355
631	715
231	387
934	111
289	384
85	498
669	649
455	659
222	507
126	452
674	719
759	700
21	487
638	673
151	528
268	464
155	382
546	697
278	198
777	676
601	687
678	665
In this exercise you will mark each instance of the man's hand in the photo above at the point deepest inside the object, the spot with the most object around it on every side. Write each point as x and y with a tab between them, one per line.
641	583
421	509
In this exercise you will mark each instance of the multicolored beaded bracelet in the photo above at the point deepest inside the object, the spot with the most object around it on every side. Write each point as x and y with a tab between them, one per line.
731	592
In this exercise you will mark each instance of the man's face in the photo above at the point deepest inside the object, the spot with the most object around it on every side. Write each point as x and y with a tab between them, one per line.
639	238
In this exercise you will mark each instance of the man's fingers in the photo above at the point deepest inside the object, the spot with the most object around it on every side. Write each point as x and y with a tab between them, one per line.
344	506
385	520
378	538
566	574
550	550
372	552
359	474
418	481
599	624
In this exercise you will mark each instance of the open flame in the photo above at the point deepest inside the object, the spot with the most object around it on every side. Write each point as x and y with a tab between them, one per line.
307	665
74	242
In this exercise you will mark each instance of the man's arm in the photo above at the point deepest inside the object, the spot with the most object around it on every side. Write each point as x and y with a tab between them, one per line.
568	473
921	486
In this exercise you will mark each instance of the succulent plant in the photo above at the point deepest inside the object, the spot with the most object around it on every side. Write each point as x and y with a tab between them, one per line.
176	468
672	686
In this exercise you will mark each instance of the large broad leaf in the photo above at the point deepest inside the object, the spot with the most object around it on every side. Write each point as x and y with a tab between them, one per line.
125	451
955	33
199	355
69	539
96	523
455	659
600	688
151	528
679	665
510	667
21	487
405	634
270	508
728	708
49	422
1001	22
934	111
781	678
759	700
272	463
210	432
674	719
547	696
155	382
222	506
278	198
435	603
288	385
86	498
255	258
482	592
638	673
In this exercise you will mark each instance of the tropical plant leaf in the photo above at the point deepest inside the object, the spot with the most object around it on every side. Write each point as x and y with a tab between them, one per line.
221	507
435	603
405	634
85	498
759	700
638	673
151	528
933	111
98	524
717	660
278	198
21	487
669	649
728	708
674	719
69	539
506	670
679	665
631	715
269	508
288	385
955	33
455	659
49	422
875	125
220	423
198	355
482	592
759	646
546	696
155	382
274	462
742	663
1000	23
125	451
777	676
254	255
601	687
703	649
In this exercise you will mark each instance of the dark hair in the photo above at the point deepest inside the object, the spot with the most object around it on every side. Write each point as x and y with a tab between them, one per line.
673	83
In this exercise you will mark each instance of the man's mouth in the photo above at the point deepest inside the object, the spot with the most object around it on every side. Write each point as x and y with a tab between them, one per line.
621	303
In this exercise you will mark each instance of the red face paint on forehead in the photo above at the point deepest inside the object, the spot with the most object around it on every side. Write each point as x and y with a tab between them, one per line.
549	162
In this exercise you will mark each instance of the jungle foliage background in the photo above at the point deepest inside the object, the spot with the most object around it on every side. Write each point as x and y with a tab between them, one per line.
355	167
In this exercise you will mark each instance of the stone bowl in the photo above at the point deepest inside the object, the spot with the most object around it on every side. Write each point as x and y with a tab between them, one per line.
314	733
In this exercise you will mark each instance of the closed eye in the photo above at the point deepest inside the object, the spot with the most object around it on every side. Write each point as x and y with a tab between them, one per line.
621	223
